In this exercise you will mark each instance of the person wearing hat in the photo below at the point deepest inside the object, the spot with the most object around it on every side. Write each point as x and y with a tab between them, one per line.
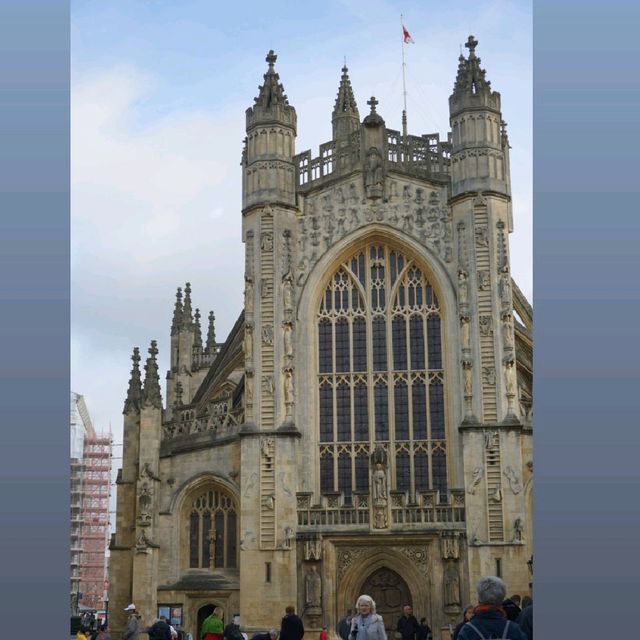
132	630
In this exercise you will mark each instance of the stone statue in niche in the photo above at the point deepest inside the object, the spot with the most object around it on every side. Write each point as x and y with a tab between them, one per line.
313	588
488	439
507	330
518	530
287	331
463	287
288	538
248	296
339	195
288	391
406	192
468	378
510	374
465	331
505	290
266	287
144	504
248	342
496	496
451	587
379	477
476	476
374	177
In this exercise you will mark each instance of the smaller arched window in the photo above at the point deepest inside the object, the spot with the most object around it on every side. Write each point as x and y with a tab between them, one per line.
213	531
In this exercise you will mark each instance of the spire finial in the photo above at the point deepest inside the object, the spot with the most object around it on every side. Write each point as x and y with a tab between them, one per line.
211	334
471	44
134	393
271	58
187	318
177	312
197	340
151	395
372	103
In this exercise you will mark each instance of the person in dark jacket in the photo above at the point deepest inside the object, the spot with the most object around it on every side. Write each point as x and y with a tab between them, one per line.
511	609
291	627
424	631
468	612
489	617
525	620
407	626
160	630
344	625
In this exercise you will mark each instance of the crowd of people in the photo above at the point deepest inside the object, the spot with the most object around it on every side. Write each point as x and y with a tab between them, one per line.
494	616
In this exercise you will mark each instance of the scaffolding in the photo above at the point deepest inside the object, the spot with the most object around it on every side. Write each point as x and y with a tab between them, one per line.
90	491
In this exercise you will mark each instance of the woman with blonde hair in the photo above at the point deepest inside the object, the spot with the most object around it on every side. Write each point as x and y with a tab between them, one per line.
213	627
367	624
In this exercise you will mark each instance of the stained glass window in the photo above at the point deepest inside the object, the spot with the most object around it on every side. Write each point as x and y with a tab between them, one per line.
380	374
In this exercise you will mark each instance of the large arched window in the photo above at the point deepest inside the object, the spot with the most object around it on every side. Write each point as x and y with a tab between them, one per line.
380	374
213	530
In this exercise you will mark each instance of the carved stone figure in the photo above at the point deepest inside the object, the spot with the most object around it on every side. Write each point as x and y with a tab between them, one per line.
489	376
379	477
267	448
518	530
374	179
488	439
287	331
476	476
266	241
268	385
288	390
248	342
380	518
269	502
248	296
483	279
496	496
467	375
509	375
514	483
288	538
507	330
451	587
486	325
505	290
248	388
465	331
482	236
287	292
463	287
267	334
313	588
144	504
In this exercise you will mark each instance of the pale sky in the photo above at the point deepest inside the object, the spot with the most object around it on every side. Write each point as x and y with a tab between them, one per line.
159	93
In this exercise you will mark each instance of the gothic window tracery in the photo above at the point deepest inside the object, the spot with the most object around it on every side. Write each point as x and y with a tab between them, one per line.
380	374
213	531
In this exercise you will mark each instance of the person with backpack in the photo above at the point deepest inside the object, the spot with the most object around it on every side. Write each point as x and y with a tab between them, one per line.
489	618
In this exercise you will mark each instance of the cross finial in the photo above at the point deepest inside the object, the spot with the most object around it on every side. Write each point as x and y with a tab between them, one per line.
153	349
372	103
471	44
271	58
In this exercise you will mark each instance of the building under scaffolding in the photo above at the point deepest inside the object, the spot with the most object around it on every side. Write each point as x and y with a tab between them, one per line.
90	482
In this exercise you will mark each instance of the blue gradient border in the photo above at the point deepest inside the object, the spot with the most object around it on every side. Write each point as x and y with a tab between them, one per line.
34	299
587	319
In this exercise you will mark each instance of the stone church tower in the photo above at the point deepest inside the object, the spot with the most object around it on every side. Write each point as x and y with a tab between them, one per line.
366	425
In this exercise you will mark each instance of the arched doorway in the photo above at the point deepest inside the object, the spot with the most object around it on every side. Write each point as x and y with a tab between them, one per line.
390	593
203	612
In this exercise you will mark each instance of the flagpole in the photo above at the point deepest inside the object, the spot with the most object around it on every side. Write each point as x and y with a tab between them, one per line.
404	83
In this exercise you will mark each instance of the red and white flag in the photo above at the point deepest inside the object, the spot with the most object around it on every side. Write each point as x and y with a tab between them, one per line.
406	36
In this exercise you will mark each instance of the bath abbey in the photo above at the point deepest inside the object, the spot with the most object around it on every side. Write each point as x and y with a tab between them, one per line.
366	426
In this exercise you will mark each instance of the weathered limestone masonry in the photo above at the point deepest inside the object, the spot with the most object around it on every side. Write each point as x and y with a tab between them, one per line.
366	425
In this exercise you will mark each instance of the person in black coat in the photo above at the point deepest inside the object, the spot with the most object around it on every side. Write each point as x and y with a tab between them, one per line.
291	627
160	630
424	631
344	625
525	620
408	625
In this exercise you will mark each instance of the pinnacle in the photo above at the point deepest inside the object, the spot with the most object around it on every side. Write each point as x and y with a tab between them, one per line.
271	92
345	101
132	401
471	76
151	395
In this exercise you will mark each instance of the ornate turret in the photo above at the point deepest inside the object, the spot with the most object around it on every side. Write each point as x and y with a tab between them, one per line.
134	393
345	118
269	172
472	89
151	395
478	161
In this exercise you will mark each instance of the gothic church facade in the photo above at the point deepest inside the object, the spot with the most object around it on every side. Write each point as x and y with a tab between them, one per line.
366	425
